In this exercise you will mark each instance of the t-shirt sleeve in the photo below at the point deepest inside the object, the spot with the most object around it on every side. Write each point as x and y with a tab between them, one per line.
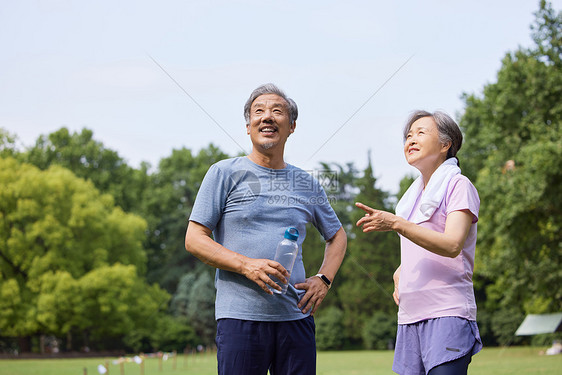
462	195
325	219
210	201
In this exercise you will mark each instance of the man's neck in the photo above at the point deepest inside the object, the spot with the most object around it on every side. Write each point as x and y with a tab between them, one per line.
272	161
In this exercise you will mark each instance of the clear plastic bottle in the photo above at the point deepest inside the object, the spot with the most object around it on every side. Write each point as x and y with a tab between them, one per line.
286	253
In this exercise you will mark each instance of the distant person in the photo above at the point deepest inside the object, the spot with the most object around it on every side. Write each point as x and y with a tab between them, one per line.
436	220
247	203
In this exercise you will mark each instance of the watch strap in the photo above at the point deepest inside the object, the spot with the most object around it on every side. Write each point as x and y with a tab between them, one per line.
324	279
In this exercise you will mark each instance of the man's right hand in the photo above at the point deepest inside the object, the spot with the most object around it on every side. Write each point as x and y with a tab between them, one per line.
260	270
198	241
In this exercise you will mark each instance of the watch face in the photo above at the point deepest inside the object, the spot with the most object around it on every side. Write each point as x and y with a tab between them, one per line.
325	279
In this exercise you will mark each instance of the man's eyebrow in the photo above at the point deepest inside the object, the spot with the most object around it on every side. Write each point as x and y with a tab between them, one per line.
275	105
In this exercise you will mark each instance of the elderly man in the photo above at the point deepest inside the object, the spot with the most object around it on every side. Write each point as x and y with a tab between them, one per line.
247	203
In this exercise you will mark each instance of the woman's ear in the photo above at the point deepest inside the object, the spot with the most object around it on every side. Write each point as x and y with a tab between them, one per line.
445	147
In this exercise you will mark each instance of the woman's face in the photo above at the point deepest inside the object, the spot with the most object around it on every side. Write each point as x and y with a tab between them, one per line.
422	147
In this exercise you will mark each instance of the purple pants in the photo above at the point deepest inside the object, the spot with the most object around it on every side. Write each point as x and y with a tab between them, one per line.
424	345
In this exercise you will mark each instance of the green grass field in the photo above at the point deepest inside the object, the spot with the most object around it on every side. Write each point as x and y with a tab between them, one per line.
496	361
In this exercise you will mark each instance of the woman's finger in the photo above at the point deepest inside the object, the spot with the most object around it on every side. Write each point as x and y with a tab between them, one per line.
364	207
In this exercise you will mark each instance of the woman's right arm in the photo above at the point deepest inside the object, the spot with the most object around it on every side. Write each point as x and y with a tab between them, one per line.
448	243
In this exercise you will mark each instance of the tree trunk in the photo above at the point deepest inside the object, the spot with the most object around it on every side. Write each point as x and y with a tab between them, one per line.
24	344
68	341
42	344
86	339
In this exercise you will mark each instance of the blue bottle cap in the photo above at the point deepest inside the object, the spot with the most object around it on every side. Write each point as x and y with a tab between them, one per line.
292	234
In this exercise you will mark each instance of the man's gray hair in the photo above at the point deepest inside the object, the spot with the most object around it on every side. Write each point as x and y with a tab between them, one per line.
448	129
270	88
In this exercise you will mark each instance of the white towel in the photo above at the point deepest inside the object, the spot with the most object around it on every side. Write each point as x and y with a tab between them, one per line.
432	195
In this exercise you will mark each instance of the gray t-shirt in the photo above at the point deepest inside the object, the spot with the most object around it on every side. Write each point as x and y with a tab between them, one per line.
248	207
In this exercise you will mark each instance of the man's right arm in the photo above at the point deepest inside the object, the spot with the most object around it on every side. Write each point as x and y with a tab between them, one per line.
198	241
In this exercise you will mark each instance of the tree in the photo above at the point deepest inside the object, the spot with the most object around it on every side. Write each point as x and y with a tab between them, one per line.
194	301
69	259
7	144
405	183
380	331
163	198
90	159
364	282
173	333
366	285
512	151
201	308
166	205
330	332
180	300
339	184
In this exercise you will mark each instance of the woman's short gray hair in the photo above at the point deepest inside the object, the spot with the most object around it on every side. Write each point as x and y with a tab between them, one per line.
448	129
270	88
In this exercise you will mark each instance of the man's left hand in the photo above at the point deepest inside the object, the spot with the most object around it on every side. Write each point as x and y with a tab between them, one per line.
316	290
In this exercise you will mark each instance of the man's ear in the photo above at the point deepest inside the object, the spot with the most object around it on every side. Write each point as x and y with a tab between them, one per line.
248	129
293	126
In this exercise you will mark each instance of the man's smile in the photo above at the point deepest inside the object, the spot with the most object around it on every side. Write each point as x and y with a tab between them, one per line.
268	129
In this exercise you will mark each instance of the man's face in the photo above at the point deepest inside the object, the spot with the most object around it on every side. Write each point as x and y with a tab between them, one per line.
269	122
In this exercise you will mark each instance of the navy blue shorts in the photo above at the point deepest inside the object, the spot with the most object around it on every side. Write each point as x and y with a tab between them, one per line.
246	347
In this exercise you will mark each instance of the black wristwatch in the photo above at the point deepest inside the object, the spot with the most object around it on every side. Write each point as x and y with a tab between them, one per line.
325	280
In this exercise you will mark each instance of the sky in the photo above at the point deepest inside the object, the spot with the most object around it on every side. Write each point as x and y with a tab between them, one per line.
148	77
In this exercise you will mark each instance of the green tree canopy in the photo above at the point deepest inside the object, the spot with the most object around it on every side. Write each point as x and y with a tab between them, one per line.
90	159
69	258
7	143
366	273
194	301
166	205
330	332
163	198
512	151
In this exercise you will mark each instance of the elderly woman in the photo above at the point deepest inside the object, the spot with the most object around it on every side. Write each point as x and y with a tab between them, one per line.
436	220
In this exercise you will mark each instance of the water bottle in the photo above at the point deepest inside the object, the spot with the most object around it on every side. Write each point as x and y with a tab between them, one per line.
286	253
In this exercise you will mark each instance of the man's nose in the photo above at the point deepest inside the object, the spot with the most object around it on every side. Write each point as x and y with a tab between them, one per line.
267	115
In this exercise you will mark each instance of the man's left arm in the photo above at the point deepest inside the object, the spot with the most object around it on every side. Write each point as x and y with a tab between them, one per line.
316	288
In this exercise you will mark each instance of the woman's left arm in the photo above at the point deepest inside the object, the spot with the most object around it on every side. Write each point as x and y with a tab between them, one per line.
447	244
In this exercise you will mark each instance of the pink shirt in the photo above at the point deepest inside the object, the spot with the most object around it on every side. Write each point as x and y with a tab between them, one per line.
434	286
